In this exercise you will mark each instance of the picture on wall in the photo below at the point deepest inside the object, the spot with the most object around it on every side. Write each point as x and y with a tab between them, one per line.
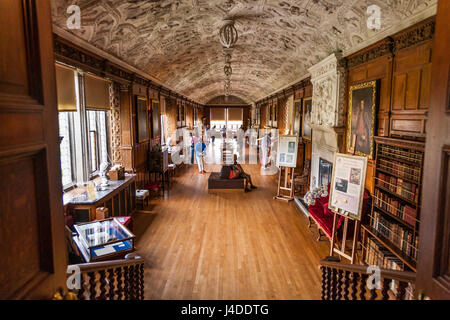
297	116
307	119
156	119
270	114
361	118
142	119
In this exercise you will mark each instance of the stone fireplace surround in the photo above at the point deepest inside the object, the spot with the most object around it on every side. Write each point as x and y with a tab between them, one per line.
325	143
328	118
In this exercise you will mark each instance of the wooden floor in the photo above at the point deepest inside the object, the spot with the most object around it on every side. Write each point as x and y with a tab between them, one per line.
227	246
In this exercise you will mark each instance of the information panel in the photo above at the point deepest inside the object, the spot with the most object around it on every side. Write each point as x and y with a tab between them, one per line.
347	185
287	151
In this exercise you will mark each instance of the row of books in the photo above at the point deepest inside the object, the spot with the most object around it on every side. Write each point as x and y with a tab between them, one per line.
400	236
399	169
395	207
398	186
405	154
377	254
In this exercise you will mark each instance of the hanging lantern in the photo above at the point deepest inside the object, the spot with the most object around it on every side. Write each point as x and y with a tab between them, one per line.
228	58
229	4
228	34
228	70
227	87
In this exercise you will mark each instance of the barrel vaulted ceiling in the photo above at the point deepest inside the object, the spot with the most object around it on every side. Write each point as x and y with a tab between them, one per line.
177	41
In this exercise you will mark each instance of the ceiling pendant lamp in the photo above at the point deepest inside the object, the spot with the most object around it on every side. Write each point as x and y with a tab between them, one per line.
228	34
228	70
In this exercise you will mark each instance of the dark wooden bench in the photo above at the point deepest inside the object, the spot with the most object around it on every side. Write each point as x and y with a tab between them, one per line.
216	184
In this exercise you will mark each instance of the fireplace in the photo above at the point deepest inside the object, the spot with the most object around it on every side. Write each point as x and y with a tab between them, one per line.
325	172
328	116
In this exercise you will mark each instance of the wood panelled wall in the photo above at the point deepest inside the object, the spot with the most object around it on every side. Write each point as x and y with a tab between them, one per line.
282	114
264	115
284	101
402	65
171	118
305	147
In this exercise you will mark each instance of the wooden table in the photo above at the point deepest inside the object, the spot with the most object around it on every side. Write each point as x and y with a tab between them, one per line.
119	198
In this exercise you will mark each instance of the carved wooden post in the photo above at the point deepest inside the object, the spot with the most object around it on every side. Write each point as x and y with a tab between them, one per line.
92	286
120	290
111	280
346	285
385	290
362	286
401	290
141	281
333	284
126	283
328	283
103	285
339	285
355	277
373	294
80	294
323	286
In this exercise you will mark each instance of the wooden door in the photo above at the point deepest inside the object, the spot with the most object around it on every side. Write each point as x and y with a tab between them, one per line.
433	271
32	245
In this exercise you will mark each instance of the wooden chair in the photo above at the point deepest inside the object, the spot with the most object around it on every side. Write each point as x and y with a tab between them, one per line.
301	182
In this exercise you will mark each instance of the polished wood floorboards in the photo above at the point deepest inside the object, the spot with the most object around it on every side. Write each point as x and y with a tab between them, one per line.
227	246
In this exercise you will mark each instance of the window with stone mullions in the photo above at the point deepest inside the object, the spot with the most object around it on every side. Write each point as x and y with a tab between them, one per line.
67	148
97	139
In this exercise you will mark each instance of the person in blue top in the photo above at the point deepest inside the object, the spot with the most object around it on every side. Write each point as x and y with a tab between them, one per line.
224	132
191	138
200	152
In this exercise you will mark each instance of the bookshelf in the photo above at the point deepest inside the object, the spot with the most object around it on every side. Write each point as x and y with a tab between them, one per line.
390	234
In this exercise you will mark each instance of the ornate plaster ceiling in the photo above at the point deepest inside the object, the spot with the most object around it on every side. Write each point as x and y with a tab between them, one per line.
177	41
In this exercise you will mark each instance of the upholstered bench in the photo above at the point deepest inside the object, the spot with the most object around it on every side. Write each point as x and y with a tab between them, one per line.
217	184
324	217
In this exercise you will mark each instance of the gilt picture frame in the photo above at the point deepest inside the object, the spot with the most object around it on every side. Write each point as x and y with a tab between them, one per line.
363	105
142	120
297	118
156	118
307	119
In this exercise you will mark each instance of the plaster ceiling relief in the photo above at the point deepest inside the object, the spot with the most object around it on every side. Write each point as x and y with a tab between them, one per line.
177	41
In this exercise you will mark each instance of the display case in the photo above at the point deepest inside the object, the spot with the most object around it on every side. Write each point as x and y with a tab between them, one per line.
103	240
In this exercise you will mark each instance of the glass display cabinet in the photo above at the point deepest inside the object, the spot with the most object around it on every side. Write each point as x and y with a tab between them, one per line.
103	240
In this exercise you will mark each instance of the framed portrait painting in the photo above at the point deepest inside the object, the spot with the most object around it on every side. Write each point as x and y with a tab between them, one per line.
307	119
297	116
156	119
361	118
142	119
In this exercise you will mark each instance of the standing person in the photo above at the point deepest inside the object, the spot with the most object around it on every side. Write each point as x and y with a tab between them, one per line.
224	133
192	138
213	136
200	149
265	145
240	138
207	134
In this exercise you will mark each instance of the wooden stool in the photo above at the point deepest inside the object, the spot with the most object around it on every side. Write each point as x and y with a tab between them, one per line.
142	198
153	187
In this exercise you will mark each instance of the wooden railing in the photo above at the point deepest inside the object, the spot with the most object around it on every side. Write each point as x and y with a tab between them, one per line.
112	280
342	281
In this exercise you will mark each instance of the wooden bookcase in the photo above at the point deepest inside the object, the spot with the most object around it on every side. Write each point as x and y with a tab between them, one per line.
390	234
